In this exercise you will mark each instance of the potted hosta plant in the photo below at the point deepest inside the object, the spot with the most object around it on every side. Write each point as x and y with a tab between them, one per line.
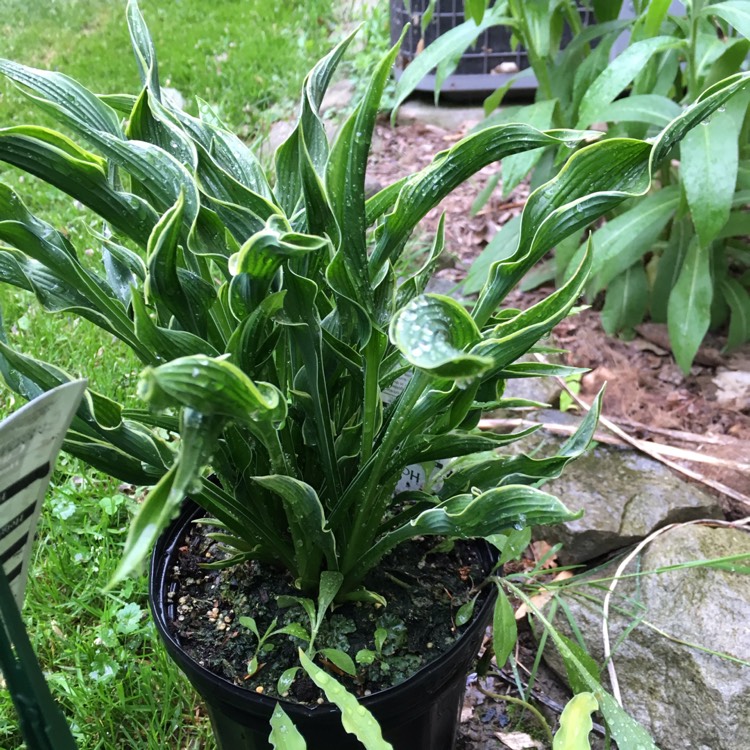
271	315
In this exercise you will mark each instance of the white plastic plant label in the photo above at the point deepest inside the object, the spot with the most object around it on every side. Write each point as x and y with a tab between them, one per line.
413	477
30	440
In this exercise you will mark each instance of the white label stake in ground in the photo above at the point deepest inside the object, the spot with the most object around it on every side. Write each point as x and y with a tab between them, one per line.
30	440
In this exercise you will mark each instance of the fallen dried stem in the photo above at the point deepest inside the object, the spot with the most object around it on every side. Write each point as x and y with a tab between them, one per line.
602	437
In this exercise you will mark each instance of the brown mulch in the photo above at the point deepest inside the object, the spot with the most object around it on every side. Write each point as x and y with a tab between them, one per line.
647	394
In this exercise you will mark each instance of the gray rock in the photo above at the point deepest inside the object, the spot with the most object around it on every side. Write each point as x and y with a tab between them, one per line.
685	696
446	117
279	132
544	390
625	496
339	97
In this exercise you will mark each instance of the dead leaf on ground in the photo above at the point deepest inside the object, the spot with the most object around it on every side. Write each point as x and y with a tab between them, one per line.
519	741
541	599
540	549
733	386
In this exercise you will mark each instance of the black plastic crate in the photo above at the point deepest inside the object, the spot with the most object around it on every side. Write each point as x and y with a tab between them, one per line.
484	67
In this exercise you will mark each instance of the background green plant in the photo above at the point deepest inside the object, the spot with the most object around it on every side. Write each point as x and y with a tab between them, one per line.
678	254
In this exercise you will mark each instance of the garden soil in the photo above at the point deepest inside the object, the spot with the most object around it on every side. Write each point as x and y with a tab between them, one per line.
647	395
218	614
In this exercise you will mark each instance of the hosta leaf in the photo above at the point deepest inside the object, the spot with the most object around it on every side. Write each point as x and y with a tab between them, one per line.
540	369
433	333
65	99
689	310
97	417
246	341
318	210
504	628
284	735
711	100
499	248
345	177
122	103
238	161
621	71
122	272
539	115
262	255
166	342
79	174
143	46
416	284
226	189
469	517
448	170
52	291
486	473
199	434
594	180
356	719
300	307
423	448
509	340
12	270
288	182
211	386
307	522
153	516
111	460
150	121
384	199
157	171
162	259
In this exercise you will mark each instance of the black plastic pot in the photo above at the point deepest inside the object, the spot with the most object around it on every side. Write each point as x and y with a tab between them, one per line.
421	713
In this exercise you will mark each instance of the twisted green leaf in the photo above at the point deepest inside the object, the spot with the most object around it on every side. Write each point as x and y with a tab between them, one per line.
433	333
470	517
311	536
284	735
356	719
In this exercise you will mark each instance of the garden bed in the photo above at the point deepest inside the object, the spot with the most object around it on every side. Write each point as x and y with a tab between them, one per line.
647	394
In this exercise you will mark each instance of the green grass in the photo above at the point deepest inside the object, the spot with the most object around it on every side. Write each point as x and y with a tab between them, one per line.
99	651
245	57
